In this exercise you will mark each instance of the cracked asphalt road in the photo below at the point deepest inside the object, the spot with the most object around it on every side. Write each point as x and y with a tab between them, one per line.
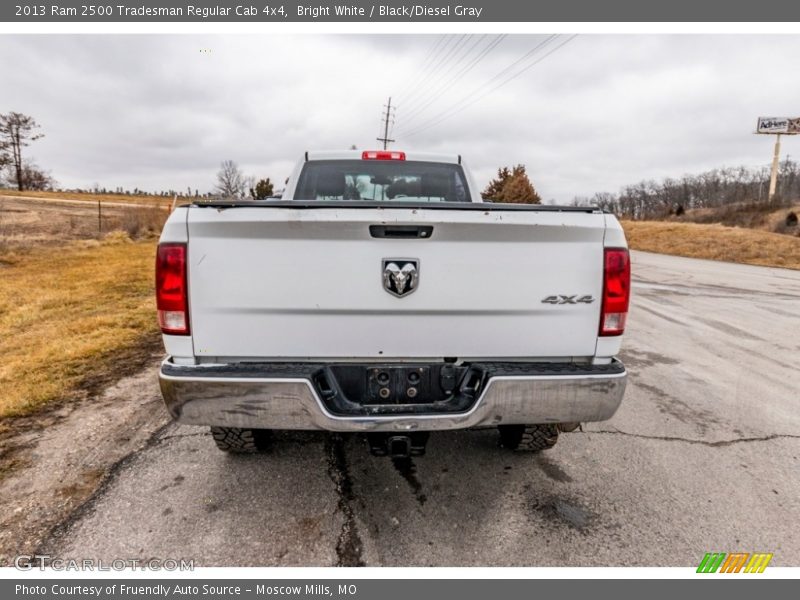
704	455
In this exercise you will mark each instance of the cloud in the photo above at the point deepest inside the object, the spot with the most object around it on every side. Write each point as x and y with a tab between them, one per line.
161	112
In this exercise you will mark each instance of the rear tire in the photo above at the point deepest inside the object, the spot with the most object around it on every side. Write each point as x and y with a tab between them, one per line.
528	438
240	441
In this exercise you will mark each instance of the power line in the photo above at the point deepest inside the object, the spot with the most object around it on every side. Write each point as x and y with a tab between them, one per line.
431	52
435	67
410	106
450	43
444	115
427	63
529	54
430	56
446	85
425	92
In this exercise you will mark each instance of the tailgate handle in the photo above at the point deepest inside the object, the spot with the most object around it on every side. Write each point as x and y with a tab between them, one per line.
401	231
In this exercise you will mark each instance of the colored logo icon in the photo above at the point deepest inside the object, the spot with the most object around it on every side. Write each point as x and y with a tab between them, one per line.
735	562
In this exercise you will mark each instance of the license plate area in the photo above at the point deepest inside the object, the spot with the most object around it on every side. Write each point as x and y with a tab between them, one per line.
398	385
384	389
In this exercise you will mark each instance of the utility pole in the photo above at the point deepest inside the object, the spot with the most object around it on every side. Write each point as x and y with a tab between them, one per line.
773	177
387	116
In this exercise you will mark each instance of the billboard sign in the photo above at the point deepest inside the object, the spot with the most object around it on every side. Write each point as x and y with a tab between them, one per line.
788	125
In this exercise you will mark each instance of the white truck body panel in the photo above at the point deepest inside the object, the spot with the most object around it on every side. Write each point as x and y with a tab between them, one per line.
271	283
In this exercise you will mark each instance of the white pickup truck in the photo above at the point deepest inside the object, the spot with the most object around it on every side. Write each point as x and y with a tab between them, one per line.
382	295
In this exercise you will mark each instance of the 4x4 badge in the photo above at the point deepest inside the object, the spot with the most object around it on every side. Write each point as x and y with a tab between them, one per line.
568	299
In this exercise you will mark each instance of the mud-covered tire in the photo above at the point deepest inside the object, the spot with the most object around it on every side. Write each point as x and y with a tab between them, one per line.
240	441
528	438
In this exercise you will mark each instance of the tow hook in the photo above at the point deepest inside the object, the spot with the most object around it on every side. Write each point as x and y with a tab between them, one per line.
397	445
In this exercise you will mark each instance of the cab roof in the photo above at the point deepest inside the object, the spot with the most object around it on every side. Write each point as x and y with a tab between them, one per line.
362	155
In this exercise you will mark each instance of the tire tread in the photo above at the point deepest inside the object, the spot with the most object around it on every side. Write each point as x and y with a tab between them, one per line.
529	438
239	441
537	438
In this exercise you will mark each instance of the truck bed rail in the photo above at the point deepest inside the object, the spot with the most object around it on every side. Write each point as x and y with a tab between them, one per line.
320	204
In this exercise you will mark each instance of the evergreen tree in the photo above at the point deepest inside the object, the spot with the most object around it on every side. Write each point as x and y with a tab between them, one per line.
513	186
263	189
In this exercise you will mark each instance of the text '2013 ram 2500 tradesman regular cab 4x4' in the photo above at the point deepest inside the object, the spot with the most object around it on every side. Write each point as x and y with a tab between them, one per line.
382	295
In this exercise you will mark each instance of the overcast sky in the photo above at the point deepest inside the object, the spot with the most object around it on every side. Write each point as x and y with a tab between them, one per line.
160	112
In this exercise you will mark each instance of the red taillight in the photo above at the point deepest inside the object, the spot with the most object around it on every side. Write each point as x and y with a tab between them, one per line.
382	155
171	289
616	291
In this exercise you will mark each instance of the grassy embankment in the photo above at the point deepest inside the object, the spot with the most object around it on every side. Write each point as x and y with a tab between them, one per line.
73	317
163	201
715	242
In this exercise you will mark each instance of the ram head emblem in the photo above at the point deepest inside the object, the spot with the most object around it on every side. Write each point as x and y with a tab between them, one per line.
400	276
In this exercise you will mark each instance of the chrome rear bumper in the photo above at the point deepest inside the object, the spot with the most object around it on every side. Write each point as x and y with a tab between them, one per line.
200	396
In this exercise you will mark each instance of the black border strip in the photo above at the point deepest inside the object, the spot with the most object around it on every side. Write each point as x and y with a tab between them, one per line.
325	204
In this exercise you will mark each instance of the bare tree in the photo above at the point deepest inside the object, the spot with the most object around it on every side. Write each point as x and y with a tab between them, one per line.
16	132
728	187
33	178
231	182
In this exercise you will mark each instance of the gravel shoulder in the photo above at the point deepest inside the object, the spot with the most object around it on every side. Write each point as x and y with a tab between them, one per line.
57	458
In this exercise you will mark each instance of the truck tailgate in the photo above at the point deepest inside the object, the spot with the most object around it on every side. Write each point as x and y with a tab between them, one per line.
300	283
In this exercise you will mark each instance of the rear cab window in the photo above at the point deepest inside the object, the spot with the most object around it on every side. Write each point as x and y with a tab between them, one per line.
382	181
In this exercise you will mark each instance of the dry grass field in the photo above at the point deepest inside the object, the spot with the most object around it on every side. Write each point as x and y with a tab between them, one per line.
76	304
71	315
753	215
715	242
163	201
27	223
